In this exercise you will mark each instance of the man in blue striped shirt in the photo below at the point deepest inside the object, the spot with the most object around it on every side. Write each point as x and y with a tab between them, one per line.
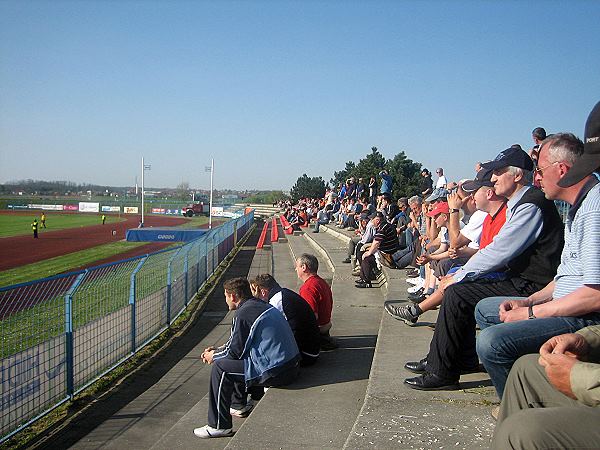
512	327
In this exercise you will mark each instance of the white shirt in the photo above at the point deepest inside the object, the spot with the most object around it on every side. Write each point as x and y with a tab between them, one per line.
441	182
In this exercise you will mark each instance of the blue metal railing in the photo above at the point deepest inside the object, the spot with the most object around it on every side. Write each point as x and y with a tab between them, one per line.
60	334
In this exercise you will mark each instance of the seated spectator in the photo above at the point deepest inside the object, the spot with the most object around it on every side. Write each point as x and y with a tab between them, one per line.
388	207
322	217
385	242
401	221
296	310
481	193
551	399
356	243
318	295
572	299
261	351
442	182
296	220
529	244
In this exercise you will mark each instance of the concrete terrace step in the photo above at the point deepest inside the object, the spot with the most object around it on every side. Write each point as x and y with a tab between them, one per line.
320	409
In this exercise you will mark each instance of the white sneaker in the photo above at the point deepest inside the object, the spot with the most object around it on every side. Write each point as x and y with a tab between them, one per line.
243	412
207	432
413	289
417	281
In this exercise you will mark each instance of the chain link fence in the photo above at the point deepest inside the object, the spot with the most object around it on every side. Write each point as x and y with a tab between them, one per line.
60	334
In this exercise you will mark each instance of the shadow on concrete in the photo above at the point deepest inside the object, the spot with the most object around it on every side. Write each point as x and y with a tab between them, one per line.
350	362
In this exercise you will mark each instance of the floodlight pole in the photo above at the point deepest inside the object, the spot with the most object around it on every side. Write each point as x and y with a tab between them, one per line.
212	171
144	168
142	221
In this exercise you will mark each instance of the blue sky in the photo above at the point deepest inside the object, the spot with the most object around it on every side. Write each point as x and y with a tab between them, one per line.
272	90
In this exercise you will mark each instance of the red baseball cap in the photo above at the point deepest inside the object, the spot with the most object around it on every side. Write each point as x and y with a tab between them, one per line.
441	207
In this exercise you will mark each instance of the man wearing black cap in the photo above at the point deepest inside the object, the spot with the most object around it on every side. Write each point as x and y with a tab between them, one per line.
385	242
556	393
528	246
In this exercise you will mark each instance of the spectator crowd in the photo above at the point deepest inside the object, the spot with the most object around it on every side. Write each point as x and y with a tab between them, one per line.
491	252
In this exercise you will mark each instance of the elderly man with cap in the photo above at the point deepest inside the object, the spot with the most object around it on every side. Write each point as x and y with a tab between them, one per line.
551	400
528	246
512	327
385	242
493	208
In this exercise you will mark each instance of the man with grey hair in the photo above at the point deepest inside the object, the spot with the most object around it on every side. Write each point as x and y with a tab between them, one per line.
551	398
528	245
317	294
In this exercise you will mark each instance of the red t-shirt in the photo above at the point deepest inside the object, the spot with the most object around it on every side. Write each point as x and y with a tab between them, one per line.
317	294
491	227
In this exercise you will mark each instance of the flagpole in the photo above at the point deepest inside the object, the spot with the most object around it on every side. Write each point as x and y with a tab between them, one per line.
212	171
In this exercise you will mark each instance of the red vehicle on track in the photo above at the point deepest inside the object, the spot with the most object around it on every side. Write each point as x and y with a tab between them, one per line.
194	209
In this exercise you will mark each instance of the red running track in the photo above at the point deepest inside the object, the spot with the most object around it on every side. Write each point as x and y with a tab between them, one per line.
20	250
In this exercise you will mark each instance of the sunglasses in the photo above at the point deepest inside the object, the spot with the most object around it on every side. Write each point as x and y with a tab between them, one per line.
540	170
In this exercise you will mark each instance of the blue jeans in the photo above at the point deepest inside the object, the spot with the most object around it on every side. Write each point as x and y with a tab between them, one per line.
320	222
500	345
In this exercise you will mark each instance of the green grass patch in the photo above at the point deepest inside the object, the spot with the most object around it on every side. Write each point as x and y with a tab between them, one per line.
60	264
17	224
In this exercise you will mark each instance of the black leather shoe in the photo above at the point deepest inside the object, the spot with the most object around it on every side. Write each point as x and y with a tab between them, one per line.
416	297
346	261
360	280
416	366
363	284
431	382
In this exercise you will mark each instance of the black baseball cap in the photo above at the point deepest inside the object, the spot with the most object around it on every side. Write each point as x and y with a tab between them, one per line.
589	161
483	178
512	156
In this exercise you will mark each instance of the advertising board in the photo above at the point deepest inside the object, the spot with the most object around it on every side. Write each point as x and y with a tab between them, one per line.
173	212
216	211
158	210
89	207
111	209
70	207
45	207
130	209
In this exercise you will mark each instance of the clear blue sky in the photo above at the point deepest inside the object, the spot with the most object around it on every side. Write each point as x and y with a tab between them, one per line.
276	89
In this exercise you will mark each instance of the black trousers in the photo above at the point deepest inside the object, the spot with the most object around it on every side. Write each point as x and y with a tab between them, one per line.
452	348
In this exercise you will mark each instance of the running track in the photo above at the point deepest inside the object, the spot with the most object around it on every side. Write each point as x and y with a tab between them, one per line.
17	251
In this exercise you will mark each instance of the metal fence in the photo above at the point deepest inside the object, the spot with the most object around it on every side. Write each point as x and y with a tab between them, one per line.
60	334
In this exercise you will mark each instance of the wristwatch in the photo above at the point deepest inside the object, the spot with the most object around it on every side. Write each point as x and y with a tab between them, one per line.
531	314
454	210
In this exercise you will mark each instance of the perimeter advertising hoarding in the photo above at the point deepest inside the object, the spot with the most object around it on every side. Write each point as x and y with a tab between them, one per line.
70	207
216	211
32	380
111	209
158	210
130	209
45	207
89	207
18	206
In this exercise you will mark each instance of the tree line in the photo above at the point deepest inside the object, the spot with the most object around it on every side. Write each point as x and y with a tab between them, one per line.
406	175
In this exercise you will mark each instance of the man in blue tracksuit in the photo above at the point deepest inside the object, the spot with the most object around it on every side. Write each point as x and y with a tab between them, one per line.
261	351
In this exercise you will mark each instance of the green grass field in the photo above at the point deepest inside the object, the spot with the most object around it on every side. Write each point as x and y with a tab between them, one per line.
65	263
16	225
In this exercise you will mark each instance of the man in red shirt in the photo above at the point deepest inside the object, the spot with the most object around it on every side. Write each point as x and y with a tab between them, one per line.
317	294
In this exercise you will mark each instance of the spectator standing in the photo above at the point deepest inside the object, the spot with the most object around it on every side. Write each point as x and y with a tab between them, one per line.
426	183
386	182
43	220
441	182
373	191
